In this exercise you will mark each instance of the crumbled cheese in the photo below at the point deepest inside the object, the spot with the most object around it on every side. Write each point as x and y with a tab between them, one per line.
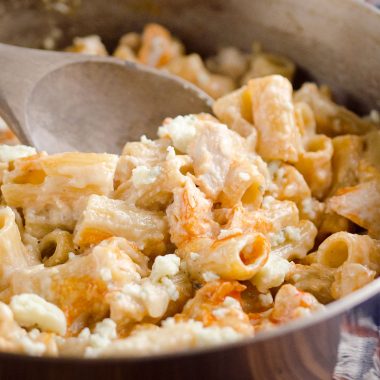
231	302
85	333
204	336
194	256
170	288
226	233
31	347
13	152
170	335
89	45
228	304
167	265
32	310
272	274
216	335
220	312
272	187
104	333
244	176
273	167
146	141
292	233
106	329
106	274
153	297
280	174
308	208
181	130
276	238
168	322
144	175
34	333
134	290
266	299
267	202
171	153
290	190
374	116
72	256
210	276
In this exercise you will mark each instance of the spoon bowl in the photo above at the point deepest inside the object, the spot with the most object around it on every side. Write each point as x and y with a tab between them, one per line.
71	102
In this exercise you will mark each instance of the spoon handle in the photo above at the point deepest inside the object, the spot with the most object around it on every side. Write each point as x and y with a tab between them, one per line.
20	70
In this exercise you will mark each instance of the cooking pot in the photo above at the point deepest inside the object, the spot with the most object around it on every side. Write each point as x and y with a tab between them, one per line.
333	42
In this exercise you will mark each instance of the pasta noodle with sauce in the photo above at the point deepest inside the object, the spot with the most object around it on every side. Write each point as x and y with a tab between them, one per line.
222	227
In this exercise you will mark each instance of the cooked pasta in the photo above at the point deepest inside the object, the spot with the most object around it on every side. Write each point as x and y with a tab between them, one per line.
223	226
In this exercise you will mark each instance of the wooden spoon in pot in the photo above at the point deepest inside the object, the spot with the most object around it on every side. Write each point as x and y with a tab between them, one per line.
65	101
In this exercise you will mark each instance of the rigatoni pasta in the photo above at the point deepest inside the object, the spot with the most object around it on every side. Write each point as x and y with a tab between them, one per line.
12	250
224	226
274	118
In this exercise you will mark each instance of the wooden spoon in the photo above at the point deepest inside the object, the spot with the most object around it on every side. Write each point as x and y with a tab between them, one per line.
65	102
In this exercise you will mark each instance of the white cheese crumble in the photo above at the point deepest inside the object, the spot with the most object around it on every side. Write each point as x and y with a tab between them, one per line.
276	238
281	173
181	130
144	175
204	336
244	176
85	333
31	347
273	167
210	276
13	152
290	190
272	274
104	333
170	153
215	335
146	141
292	233
170	288
374	116
106	329
308	208
169	335
106	274
228	304
220	312
163	266
34	333
266	299
32	310
72	256
267	202
231	302
194	256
